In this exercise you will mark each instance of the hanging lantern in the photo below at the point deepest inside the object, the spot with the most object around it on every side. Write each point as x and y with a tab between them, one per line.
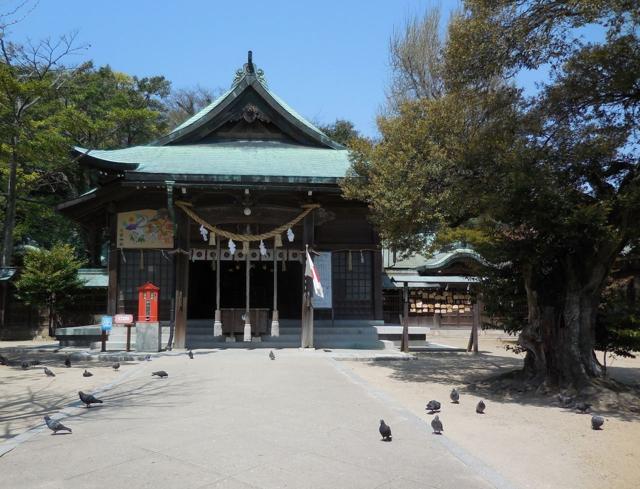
290	235
245	246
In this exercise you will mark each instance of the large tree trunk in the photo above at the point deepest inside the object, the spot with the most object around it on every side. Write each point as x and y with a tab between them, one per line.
560	334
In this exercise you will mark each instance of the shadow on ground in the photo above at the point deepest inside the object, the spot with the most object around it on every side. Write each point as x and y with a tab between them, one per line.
492	377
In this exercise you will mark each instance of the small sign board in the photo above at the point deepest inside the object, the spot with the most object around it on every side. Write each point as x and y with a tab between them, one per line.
106	323
123	319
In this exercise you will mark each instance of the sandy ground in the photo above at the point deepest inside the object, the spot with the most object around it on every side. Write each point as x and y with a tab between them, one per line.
528	438
27	395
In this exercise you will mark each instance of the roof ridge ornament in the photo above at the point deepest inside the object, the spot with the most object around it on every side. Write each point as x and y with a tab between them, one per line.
249	70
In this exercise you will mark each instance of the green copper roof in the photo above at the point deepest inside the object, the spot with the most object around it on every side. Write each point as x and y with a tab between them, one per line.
241	158
260	138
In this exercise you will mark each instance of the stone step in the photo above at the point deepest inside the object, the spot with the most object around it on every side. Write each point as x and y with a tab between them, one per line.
341	343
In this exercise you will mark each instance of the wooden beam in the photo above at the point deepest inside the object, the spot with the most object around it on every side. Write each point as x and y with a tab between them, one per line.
182	279
377	285
112	265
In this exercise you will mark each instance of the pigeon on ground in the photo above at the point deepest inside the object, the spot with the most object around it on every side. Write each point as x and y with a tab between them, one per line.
455	397
67	362
48	372
436	424
385	431
160	373
86	373
88	399
480	407
147	358
190	354
564	401
55	425
116	366
433	407
3	360
271	355
597	422
583	407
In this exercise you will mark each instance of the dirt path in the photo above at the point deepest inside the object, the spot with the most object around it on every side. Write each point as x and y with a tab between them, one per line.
526	437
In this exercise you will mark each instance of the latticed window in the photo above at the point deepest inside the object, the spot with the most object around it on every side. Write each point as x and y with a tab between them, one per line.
138	268
352	284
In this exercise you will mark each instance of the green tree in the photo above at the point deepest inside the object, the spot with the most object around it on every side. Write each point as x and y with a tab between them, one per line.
551	182
49	278
32	146
108	109
341	131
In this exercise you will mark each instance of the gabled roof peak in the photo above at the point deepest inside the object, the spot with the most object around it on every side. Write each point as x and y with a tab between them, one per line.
250	71
248	99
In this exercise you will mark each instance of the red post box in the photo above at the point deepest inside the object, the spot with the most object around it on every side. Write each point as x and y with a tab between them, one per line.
148	296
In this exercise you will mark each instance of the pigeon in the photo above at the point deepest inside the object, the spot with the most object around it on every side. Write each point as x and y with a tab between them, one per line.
25	365
88	399
55	425
583	407
147	358
86	373
67	362
436	424
3	360
271	355
160	373
385	431
564	401
433	407
190	354
597	422
455	397
480	407
48	372
116	366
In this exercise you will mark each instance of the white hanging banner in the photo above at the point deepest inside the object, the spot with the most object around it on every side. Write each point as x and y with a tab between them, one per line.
322	262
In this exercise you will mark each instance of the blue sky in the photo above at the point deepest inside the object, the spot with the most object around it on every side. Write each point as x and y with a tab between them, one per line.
327	59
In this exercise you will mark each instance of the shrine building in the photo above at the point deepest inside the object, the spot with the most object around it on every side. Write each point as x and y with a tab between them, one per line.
219	213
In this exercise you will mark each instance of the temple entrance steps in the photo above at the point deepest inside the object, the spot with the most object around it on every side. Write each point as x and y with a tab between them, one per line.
339	334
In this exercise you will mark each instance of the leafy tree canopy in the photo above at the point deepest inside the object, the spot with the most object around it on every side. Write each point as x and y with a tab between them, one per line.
547	184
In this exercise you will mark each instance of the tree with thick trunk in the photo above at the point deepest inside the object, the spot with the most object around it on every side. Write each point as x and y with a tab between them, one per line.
545	186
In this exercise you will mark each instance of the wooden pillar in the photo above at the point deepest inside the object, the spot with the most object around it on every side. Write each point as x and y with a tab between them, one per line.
247	311
217	321
404	343
475	326
112	263
306	336
377	285
182	279
275	320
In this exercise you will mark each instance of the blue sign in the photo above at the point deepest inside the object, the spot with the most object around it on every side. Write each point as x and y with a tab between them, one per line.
107	323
